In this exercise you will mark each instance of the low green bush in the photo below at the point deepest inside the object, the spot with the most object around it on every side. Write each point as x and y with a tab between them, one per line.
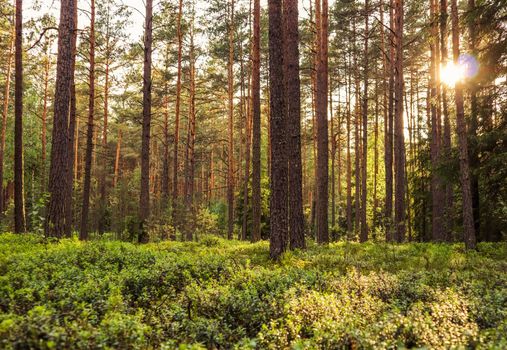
218	294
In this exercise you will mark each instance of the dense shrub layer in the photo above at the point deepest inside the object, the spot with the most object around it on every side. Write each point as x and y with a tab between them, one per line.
228	295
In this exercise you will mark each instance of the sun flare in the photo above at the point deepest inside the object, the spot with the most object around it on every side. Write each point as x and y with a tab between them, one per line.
452	73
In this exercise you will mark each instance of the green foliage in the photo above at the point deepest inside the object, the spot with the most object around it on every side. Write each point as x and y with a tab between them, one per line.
221	294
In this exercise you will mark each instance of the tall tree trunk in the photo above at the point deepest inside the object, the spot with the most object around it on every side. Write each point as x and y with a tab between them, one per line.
177	120
321	208
230	153
474	123
83	233
446	140
278	125
293	105
58	181
5	112
19	201
357	137
72	131
468	217
389	130
399	138
436	183
144	199
190	157
363	237
256	126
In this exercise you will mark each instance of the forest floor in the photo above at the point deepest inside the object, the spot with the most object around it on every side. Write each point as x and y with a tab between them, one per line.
218	294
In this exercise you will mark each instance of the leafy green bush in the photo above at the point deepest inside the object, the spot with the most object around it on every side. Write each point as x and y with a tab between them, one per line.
218	294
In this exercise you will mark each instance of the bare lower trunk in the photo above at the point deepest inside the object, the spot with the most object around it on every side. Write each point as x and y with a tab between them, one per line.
144	199
468	217
19	192
58	179
256	126
83	233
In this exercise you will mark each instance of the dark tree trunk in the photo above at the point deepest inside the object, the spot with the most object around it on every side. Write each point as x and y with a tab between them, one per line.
389	130
19	201
436	182
230	153
72	132
144	199
256	126
293	100
58	179
363	237
474	123
190	152
321	209
177	117
468	217
83	234
399	139
278	125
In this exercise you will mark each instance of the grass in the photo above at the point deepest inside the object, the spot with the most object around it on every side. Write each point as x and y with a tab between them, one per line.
220	294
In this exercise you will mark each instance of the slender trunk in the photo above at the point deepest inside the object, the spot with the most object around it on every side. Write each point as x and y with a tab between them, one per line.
399	139
436	183
103	170
72	132
246	180
364	226
389	130
177	119
190	156
144	199
321	207
256	126
333	155
468	216
446	141
293	109
474	123
58	179
5	112
230	155
83	234
357	139
19	201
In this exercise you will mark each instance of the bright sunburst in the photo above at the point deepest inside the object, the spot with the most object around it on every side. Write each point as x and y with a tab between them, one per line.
452	73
